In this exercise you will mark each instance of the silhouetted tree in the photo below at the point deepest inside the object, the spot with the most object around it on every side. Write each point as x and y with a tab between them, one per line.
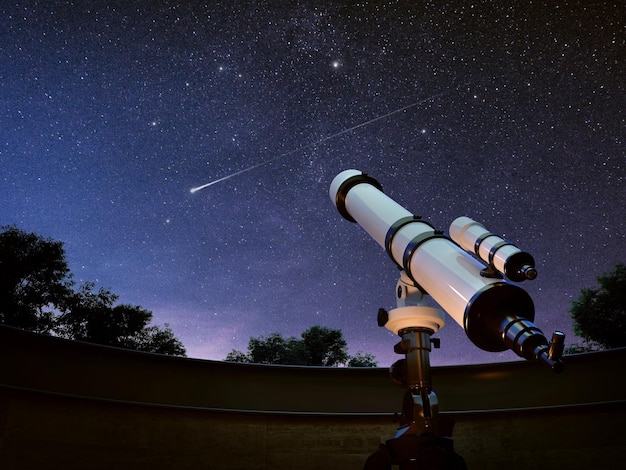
319	346
92	317
324	346
36	294
361	359
599	315
35	280
156	339
88	316
271	349
238	356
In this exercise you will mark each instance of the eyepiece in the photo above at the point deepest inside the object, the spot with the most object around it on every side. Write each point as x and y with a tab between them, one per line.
528	272
557	345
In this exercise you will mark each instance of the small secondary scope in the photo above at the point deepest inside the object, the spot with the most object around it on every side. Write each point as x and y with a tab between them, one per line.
506	258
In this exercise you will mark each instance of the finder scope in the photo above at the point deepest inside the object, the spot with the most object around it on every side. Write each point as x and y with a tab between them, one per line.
494	313
515	264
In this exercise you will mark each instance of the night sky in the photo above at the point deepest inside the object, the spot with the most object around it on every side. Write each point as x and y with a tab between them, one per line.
112	111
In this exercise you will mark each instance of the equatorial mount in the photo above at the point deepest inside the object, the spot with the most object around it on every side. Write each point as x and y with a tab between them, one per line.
422	432
414	322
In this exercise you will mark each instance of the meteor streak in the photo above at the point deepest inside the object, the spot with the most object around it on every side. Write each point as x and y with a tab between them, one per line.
318	142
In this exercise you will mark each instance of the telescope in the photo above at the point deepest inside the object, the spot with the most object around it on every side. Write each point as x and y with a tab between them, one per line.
495	314
465	274
471	275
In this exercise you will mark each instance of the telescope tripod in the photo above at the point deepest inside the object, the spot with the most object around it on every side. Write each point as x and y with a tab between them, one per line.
423	439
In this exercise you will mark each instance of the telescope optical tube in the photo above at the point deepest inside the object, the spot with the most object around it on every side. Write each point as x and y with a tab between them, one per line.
486	308
515	264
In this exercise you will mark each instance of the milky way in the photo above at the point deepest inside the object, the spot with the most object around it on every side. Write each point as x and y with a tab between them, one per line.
511	115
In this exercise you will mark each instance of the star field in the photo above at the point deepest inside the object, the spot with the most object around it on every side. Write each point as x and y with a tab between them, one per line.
113	111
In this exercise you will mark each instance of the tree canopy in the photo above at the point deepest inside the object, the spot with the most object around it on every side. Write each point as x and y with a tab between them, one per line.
34	280
318	346
599	315
37	293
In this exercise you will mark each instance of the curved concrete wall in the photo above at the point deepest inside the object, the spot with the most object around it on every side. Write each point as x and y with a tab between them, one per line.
65	404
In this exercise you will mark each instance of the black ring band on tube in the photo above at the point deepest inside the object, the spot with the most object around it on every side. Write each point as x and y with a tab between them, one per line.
495	248
346	186
412	247
481	239
393	230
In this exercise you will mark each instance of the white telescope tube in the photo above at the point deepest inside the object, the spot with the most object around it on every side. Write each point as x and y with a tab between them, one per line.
514	263
438	266
495	314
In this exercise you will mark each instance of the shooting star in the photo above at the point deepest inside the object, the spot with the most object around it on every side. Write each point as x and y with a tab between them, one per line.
318	142
232	175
